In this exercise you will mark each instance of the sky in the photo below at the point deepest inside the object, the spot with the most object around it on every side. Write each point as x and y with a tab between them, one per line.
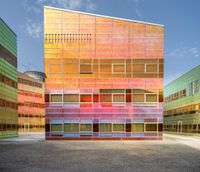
181	19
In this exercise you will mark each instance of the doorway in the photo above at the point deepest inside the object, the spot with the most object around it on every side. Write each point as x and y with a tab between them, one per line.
179	128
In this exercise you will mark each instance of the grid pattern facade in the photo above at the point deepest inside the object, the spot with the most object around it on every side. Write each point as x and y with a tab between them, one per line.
104	77
8	81
182	103
31	115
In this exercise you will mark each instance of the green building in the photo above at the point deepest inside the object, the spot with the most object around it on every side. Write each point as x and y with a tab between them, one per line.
182	103
8	81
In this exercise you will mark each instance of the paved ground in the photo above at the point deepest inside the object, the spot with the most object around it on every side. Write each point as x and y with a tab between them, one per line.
31	153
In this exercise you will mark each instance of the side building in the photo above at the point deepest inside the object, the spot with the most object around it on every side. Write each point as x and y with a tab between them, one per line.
8	81
30	103
182	103
104	76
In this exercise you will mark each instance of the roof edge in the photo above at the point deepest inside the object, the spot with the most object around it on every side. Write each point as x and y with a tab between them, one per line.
99	15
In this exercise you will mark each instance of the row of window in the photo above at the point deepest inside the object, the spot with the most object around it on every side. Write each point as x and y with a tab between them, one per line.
8	127
190	109
8	104
29	93
6	80
114	68
105	97
105	127
185	128
30	116
8	56
30	83
176	96
20	126
31	104
67	38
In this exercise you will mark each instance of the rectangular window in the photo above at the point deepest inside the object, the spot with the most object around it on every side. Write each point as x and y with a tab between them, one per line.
118	98
137	98
56	127
105	127
85	98
71	98
55	68
137	127
85	69
151	98
138	68
118	68
85	127
118	127
151	68
95	127
151	127
71	127
106	98
128	127
56	98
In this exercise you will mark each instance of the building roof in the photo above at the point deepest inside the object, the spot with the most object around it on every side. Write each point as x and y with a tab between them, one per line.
7	26
196	68
98	15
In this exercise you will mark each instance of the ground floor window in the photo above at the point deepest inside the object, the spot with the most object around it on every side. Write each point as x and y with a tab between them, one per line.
71	127
85	127
137	127
106	127
151	127
56	127
118	127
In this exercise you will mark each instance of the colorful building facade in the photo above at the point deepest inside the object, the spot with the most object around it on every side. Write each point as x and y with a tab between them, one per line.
8	81
104	76
31	115
182	103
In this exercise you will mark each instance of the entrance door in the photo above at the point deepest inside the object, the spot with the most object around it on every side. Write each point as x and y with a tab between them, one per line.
26	127
179	129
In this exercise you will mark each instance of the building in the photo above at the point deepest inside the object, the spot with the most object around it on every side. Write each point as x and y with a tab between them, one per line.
30	104
36	75
8	81
182	103
104	76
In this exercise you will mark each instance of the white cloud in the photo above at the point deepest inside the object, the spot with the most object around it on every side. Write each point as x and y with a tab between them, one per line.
33	29
70	4
184	52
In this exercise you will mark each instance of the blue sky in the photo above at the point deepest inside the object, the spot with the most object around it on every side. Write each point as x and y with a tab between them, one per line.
180	17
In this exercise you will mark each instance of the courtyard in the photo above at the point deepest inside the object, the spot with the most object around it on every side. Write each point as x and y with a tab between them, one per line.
30	152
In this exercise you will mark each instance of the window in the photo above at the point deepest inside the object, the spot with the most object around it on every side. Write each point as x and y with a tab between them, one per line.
151	98
85	69
151	127
118	98
194	87
56	127
55	68
105	127
85	98
71	127
56	98
137	127
106	98
95	127
118	68
151	68
138	68
128	127
137	98
71	98
118	127
85	127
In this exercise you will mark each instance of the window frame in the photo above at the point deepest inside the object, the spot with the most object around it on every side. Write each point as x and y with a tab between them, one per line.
113	64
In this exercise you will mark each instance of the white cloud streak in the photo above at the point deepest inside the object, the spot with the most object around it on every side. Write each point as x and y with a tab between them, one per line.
184	52
33	29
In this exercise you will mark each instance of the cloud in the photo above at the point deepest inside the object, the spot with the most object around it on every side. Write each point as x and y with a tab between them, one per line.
70	4
184	52
136	7
33	29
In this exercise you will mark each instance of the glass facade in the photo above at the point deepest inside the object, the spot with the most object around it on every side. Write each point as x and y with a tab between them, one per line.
8	81
31	115
104	77
182	103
